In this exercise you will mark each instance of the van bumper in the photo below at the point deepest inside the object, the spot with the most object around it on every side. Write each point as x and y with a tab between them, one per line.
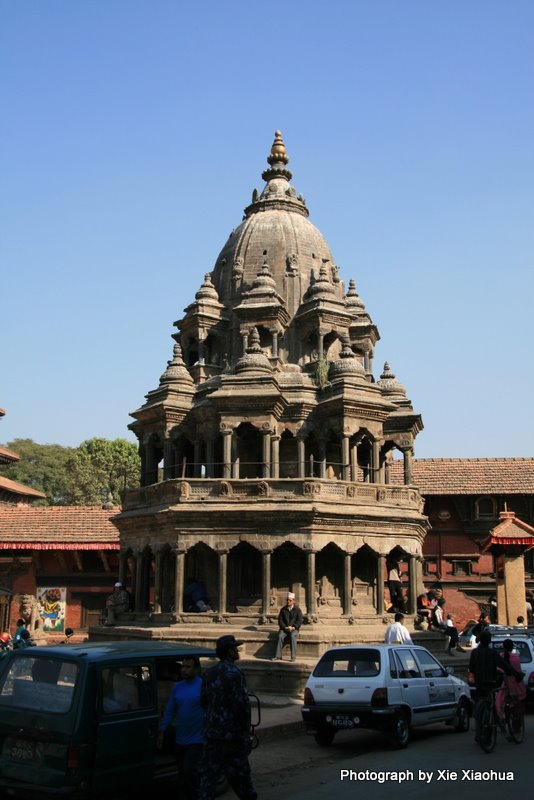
31	791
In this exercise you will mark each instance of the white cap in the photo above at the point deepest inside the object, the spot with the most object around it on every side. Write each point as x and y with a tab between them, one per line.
290	595
118	585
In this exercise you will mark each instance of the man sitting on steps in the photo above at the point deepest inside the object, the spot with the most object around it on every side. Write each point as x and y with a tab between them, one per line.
289	621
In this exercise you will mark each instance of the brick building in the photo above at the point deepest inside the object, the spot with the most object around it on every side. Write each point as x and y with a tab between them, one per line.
67	555
463	501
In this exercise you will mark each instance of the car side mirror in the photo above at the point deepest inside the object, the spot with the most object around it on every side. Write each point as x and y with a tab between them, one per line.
449	670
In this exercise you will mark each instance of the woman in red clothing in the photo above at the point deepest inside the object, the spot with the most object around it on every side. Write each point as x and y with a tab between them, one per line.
510	685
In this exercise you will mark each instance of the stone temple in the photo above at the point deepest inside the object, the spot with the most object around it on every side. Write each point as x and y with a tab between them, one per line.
267	446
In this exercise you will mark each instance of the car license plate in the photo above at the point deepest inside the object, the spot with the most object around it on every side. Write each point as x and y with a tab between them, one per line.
19	749
342	721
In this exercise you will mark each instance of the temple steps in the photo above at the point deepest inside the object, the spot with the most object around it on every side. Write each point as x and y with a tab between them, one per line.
264	675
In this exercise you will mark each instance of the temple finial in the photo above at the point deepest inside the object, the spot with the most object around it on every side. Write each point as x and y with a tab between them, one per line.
278	150
277	160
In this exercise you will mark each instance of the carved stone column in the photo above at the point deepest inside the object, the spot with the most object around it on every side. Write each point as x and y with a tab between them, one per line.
408	455
301	455
168	460
375	462
347	585
227	453
310	583
275	456
266	582
197	449
223	569
266	452
320	344
354	462
275	344
123	568
158	579
210	456
139	604
235	458
345	457
322	458
380	584
412	584
179	580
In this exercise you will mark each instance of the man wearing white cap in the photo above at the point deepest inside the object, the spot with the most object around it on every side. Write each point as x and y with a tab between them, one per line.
289	622
117	602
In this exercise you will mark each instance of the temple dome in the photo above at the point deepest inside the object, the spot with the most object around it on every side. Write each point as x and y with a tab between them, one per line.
275	229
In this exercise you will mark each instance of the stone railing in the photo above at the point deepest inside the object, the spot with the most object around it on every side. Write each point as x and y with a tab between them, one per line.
220	490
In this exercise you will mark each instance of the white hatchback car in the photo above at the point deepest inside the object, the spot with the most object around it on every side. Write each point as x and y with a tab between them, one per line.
389	688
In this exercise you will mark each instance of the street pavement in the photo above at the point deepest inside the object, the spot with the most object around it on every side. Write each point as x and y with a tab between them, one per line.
437	763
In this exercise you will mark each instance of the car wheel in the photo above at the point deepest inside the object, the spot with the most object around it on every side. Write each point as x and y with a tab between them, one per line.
462	718
399	734
324	737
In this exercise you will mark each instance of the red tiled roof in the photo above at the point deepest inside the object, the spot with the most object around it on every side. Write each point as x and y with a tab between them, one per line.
476	476
8	456
58	528
7	485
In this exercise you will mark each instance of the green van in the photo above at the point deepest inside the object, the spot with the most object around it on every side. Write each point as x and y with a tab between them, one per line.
81	721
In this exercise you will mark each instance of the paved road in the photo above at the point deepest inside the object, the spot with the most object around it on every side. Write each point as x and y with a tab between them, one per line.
297	769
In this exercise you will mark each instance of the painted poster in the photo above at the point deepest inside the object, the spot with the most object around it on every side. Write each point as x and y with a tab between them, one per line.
52	604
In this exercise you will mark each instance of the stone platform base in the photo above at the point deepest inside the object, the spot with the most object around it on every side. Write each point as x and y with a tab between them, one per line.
264	675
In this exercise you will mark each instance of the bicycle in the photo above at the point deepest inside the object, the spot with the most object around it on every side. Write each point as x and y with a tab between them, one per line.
514	719
487	720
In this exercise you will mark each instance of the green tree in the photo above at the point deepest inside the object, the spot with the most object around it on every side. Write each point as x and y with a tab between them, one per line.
41	466
99	467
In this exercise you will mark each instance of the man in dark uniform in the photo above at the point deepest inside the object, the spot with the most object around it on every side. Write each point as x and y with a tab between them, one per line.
289	622
226	725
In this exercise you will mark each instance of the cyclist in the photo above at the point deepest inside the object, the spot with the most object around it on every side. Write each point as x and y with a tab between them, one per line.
485	666
510	686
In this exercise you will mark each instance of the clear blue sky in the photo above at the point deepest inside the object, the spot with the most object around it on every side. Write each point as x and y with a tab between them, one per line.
135	130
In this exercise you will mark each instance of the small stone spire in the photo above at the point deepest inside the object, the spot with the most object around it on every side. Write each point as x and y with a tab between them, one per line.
207	290
390	386
176	371
277	159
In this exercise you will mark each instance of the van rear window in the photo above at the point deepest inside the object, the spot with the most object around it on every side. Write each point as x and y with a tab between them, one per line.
364	663
39	684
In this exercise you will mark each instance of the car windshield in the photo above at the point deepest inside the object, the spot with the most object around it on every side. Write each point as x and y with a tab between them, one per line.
362	663
521	648
39	683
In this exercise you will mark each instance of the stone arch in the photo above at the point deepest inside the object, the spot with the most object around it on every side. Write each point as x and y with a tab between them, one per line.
332	345
333	457
190	349
364	579
361	449
151	459
329	580
248	443
312	467
183	457
266	340
288	573
244	578
201	563
145	574
167	580
288	455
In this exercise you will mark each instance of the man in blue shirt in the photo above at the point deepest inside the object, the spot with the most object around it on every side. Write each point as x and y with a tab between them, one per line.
184	710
